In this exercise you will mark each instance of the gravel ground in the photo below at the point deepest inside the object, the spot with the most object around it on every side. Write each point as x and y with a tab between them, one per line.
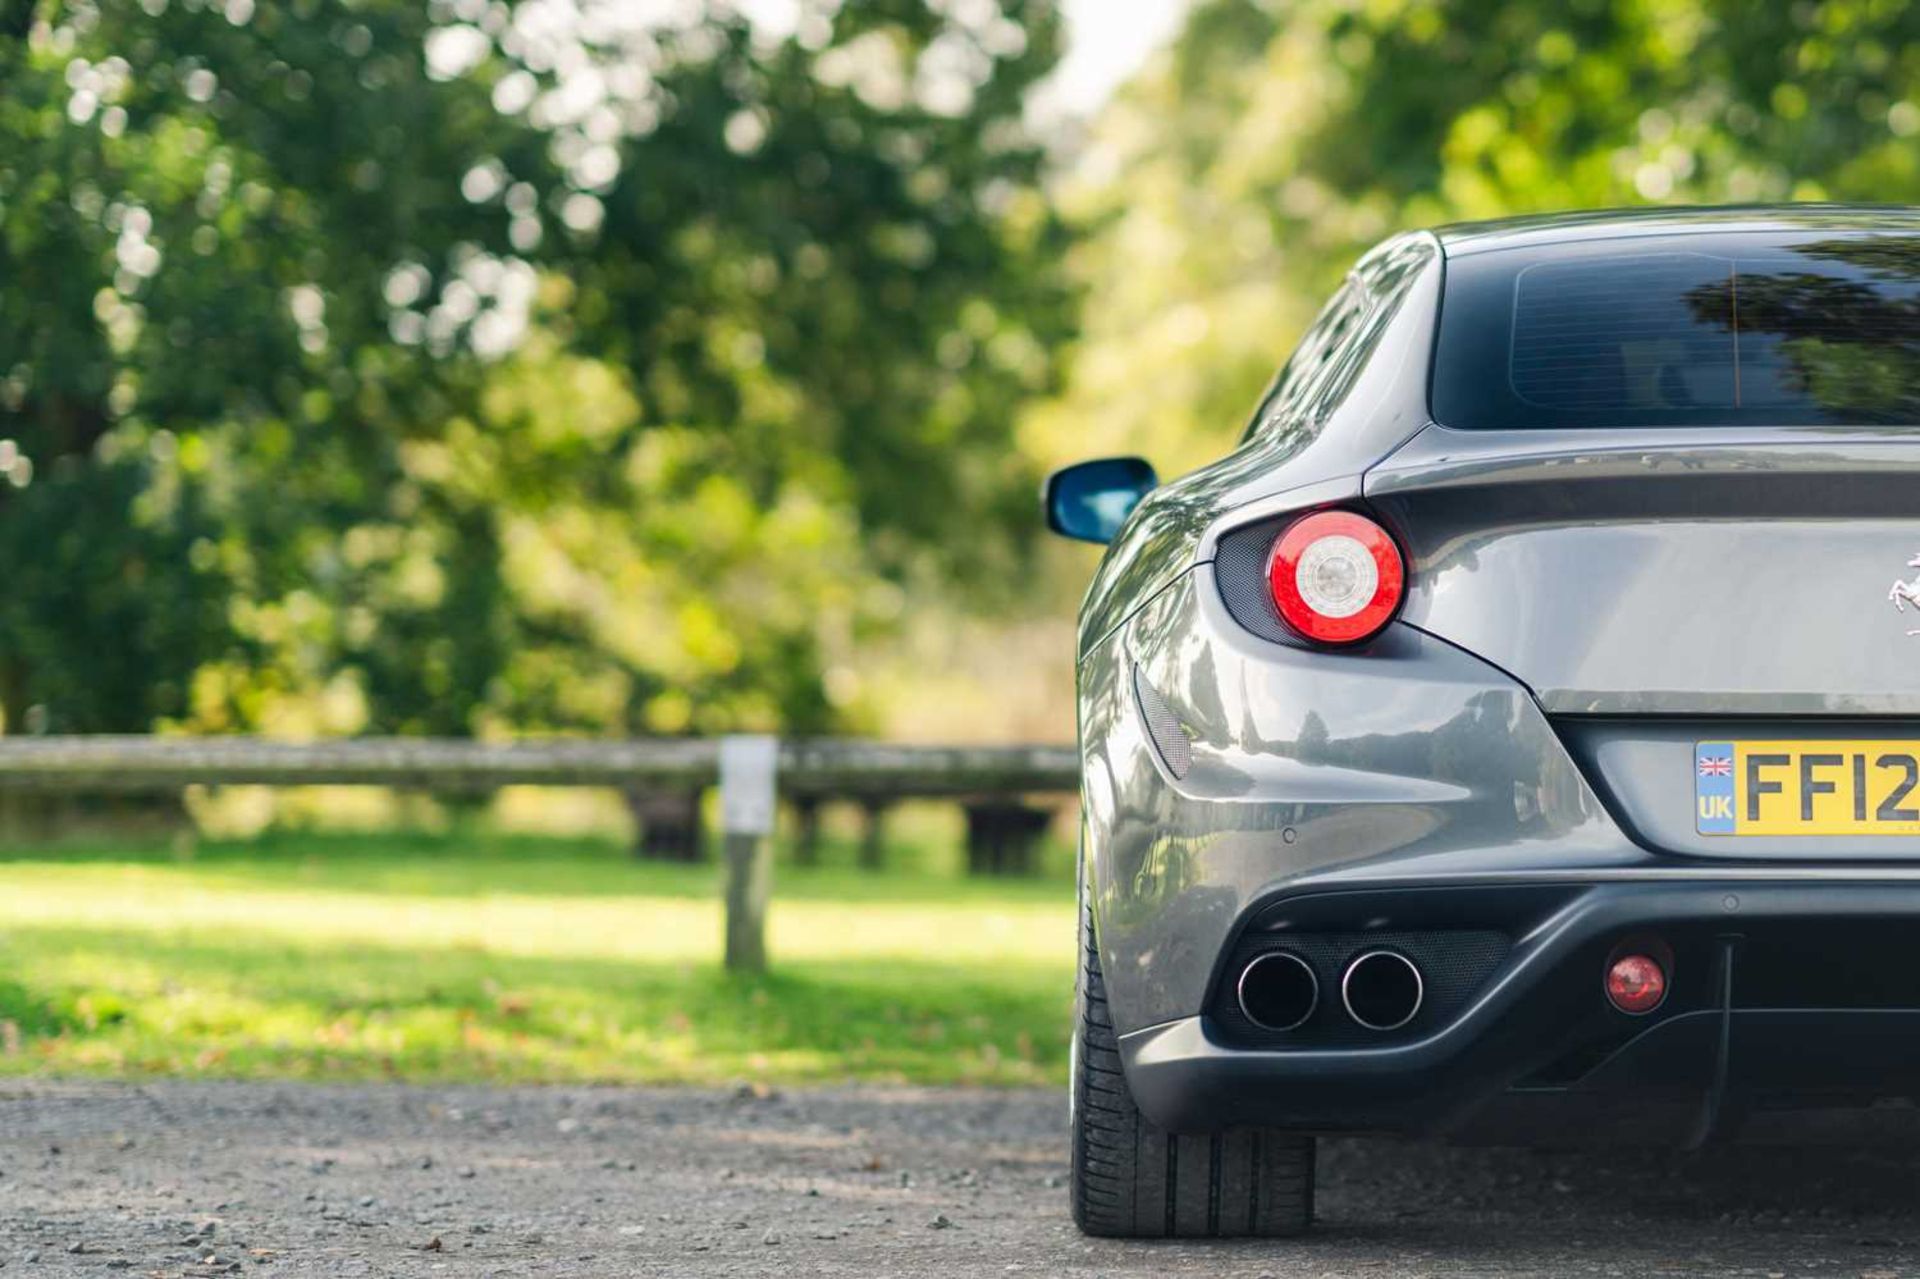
197	1179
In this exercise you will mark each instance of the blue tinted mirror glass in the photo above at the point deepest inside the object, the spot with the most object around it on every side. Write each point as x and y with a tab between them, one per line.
1090	501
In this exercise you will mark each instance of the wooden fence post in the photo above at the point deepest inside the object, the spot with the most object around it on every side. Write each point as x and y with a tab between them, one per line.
747	791
873	836
1003	836
668	818
806	837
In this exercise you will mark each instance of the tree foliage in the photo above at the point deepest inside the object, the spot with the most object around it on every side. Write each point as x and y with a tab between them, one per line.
507	365
1233	184
456	366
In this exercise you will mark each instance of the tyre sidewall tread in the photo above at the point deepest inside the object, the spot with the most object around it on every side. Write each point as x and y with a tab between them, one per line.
1130	1179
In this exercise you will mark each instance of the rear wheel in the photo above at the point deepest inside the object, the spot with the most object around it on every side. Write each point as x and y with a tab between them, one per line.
1131	1179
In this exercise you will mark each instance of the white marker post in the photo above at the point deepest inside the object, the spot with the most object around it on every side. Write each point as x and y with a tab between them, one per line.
747	787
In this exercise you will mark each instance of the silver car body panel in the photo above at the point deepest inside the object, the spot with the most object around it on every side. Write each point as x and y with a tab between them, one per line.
1668	572
1570	231
1410	753
1580	605
1654	589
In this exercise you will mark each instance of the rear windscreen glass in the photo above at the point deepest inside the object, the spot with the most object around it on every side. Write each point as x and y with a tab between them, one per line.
1684	331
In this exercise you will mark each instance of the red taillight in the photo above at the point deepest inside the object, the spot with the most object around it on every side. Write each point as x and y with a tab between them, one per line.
1336	577
1636	983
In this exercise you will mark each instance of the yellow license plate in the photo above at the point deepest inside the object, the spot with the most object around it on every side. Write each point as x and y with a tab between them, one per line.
1807	788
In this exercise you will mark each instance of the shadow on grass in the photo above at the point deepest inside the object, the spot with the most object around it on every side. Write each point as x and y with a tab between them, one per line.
95	1001
478	863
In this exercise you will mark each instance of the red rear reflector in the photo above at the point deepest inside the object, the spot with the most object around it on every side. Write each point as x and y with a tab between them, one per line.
1336	577
1636	983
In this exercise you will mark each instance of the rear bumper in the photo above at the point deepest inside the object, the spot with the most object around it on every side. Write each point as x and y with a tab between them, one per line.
1786	994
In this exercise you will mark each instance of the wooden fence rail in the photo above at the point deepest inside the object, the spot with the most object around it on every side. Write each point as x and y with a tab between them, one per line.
751	772
835	768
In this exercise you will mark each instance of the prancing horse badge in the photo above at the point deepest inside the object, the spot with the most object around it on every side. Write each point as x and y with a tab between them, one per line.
1904	593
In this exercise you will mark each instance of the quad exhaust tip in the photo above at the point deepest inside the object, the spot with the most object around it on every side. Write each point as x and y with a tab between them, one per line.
1382	990
1278	990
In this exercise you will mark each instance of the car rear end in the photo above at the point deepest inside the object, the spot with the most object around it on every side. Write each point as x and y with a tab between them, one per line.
1605	825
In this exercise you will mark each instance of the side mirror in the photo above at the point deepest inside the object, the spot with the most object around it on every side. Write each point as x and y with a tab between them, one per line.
1089	501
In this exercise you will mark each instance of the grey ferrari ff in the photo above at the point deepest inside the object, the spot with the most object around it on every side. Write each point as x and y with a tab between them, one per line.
1517	736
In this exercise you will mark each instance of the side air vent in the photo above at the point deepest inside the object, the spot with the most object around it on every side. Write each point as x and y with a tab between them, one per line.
1163	726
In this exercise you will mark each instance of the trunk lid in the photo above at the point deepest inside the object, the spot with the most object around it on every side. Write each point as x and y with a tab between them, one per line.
1684	572
1669	595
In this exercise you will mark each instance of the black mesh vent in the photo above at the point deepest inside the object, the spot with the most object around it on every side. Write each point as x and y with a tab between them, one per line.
1163	726
1240	568
1453	964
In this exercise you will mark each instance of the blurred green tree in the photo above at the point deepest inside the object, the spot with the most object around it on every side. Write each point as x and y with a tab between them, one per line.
1233	184
201	211
372	364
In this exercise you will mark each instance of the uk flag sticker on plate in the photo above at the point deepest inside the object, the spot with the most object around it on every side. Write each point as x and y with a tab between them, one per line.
1713	787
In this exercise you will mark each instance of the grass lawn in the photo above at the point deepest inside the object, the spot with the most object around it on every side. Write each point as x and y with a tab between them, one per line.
488	957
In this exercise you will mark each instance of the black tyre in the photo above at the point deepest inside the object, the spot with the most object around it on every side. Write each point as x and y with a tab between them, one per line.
1130	1179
